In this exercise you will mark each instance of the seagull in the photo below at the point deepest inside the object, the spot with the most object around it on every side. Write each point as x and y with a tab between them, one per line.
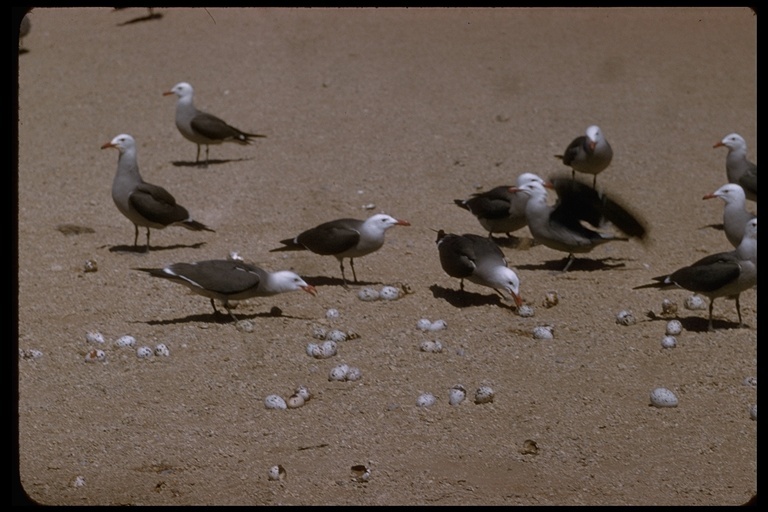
738	169
559	226
227	280
589	153
735	213
498	210
344	238
201	127
725	274
479	260
147	205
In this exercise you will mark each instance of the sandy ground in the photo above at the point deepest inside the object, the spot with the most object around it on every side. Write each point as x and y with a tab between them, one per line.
391	110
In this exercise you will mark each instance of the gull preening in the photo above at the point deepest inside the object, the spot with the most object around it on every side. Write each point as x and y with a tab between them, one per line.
203	128
227	280
344	238
144	204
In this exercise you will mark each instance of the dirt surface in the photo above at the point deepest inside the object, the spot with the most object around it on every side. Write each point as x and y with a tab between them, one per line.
400	111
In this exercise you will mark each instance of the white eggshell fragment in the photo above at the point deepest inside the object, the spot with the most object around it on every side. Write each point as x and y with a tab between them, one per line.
543	332
750	381
328	349
753	412
94	337
674	327
550	299
525	311
318	333
336	335
424	324
30	354
662	397
245	325
353	374
143	352
314	350
625	318
668	342
484	395
90	266
668	307
339	373
276	473
332	313
695	302
125	341
438	325
456	394
389	293
431	346
360	473
161	350
426	400
368	294
274	402
303	392
95	356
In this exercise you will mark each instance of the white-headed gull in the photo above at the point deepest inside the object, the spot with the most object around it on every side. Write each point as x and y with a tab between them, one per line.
344	238
560	226
735	213
498	210
589	153
478	260
144	204
724	274
738	169
227	280
201	127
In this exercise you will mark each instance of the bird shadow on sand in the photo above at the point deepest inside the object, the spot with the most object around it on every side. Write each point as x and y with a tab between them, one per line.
465	299
148	17
222	318
719	227
203	165
513	242
579	264
336	281
141	249
695	323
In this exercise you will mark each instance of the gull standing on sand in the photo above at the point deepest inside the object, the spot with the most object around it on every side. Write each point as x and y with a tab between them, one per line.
478	260
344	238
738	169
735	213
724	274
589	153
144	204
227	280
559	226
498	210
201	127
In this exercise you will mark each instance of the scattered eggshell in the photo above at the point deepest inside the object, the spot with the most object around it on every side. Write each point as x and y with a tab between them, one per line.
625	318
753	412
90	266
125	341
750	381
318	333
695	302
668	307
79	481
543	332
339	373
438	325
368	294
525	311
431	346
144	352
353	374
94	337
294	401
456	394
389	293
274	402
663	397
303	392
235	256
95	356
328	349
550	299
276	473
360	473
336	335
332	313
424	324
674	327
668	342
30	354
161	350
426	400
247	325
484	395
530	447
